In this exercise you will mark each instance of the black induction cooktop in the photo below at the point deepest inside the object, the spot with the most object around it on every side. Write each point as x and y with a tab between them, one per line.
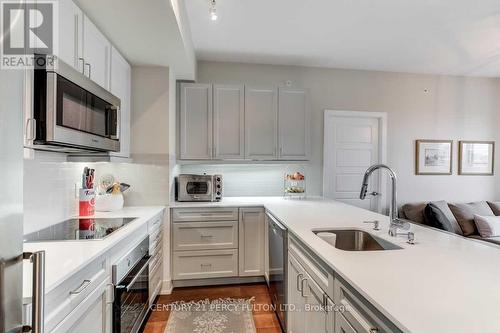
79	229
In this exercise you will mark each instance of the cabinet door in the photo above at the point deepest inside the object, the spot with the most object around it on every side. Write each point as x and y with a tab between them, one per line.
70	34
120	87
96	52
316	317
296	314
251	242
342	325
266	248
293	128
229	122
261	114
196	121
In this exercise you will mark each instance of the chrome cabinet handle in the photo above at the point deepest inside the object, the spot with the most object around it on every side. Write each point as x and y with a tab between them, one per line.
83	65
90	68
38	290
205	265
302	287
299	276
112	293
374	330
82	287
206	236
30	129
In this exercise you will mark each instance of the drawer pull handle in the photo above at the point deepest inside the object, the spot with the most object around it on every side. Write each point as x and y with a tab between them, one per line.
82	287
373	330
207	236
206	265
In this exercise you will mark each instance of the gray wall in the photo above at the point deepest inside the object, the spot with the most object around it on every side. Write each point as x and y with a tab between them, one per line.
418	107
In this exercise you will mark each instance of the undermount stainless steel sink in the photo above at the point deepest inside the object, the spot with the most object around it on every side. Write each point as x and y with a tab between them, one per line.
358	240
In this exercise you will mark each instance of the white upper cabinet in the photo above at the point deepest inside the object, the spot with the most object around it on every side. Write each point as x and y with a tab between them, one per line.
229	122
196	121
70	34
96	54
120	87
293	128
261	116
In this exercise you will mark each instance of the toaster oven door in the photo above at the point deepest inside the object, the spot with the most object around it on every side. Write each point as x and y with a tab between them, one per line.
194	188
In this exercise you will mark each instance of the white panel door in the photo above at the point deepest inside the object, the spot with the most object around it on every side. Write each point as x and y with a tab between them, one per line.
229	121
261	114
96	52
196	121
251	242
70	34
293	124
351	146
120	87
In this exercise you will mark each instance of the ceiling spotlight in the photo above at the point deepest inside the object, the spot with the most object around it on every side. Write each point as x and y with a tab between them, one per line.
213	10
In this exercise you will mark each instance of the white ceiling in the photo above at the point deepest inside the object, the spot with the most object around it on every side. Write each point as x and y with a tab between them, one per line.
145	32
457	37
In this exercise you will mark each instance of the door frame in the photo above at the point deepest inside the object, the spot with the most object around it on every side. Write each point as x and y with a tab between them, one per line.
329	115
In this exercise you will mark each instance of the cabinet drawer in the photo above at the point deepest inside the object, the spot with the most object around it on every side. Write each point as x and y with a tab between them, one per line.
205	264
361	315
155	284
62	300
205	235
156	260
155	222
204	214
155	240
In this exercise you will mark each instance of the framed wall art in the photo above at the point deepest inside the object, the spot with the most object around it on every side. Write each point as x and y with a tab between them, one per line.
476	158
433	157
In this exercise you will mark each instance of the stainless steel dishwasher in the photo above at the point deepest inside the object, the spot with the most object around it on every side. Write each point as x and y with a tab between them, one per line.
278	249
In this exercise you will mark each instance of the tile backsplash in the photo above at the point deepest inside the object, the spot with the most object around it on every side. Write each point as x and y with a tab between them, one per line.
248	179
50	186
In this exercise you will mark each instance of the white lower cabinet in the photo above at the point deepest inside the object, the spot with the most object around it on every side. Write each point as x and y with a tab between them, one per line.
91	315
251	242
308	303
342	325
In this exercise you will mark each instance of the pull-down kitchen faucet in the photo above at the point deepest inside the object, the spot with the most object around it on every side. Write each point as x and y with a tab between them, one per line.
396	222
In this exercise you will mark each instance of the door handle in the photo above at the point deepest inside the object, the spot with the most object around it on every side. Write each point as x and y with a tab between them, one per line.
302	287
90	68
38	290
299	276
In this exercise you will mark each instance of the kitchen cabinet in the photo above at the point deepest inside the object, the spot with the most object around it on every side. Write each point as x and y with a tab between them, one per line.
71	34
261	117
155	230
229	121
251	242
120	87
196	121
293	124
91	315
308	300
96	54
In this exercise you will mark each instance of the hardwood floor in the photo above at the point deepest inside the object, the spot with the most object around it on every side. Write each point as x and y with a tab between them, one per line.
265	319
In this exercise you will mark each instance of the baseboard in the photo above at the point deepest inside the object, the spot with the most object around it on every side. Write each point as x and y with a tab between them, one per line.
217	281
166	287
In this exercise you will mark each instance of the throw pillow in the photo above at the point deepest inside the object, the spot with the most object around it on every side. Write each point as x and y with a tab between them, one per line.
495	207
464	213
488	226
439	215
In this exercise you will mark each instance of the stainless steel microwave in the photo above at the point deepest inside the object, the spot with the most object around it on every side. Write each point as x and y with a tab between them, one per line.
198	187
71	112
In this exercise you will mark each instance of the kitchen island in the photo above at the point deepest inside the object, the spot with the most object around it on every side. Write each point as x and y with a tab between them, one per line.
443	283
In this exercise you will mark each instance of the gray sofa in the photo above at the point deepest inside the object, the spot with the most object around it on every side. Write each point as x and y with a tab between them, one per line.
457	218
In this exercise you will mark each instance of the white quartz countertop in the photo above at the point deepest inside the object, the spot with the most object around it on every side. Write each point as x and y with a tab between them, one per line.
64	258
443	283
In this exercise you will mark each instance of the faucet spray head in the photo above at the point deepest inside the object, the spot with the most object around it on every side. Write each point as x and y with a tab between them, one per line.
364	190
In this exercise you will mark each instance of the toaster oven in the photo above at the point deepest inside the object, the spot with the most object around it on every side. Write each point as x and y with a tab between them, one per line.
198	187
